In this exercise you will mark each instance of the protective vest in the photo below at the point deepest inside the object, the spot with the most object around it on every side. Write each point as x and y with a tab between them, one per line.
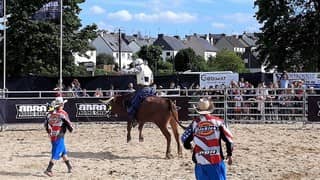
56	121
206	131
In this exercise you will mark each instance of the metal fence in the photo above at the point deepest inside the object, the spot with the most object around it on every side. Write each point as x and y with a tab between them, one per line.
260	105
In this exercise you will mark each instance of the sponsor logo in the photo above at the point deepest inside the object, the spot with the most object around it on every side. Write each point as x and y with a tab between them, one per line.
92	110
28	111
205	128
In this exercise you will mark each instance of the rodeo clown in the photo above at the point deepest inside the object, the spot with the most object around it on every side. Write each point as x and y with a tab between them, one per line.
144	77
206	132
56	124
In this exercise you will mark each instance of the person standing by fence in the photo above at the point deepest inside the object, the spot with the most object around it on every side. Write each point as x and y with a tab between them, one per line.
56	124
207	131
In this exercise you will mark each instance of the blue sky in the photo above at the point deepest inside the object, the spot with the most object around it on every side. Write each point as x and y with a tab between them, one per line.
171	17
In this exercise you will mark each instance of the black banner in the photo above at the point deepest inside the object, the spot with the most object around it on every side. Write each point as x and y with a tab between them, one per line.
314	108
79	110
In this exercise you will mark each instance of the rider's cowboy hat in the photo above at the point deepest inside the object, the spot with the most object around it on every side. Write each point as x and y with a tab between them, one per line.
204	106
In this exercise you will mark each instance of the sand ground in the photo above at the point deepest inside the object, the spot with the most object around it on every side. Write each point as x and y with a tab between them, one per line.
100	151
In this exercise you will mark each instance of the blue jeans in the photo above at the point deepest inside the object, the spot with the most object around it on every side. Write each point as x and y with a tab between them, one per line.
138	97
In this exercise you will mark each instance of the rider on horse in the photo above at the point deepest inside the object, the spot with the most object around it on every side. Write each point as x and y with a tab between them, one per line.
144	77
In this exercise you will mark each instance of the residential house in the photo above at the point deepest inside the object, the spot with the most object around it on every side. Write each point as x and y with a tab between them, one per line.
250	56
170	46
201	46
135	42
231	43
109	43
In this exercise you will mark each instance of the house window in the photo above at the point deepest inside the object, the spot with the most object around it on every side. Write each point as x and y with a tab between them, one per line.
167	54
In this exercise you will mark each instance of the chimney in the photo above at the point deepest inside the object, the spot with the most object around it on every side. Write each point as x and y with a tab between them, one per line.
177	37
123	35
135	35
160	36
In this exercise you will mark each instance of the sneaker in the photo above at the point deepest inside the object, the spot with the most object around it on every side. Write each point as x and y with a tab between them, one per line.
49	173
70	170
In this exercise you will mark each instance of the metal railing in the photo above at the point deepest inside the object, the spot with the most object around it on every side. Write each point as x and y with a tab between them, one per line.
232	104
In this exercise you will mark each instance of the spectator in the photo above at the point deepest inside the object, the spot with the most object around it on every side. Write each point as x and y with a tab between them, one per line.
130	87
76	87
84	93
284	80
98	93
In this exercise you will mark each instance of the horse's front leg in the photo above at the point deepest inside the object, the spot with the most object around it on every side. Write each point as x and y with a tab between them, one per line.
141	139
129	127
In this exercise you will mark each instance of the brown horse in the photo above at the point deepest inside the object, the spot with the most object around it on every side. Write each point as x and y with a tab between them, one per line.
160	111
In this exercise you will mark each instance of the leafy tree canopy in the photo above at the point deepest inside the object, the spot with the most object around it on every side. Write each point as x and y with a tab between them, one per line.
290	34
227	61
151	54
33	45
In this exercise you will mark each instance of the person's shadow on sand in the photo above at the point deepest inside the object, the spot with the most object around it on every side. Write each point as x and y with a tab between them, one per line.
107	155
19	174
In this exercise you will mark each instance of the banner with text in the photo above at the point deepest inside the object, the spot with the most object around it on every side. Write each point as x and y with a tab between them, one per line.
79	110
314	108
208	79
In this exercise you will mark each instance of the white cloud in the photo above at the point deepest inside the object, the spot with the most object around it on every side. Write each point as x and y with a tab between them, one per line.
167	17
105	26
97	10
122	15
218	25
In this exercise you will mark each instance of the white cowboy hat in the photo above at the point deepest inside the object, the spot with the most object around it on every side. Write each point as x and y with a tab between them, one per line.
59	101
204	106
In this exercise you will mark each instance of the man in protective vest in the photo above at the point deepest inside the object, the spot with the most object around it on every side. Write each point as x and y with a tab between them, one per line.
144	77
206	131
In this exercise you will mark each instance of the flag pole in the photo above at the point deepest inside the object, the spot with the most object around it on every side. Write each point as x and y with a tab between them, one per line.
61	13
4	44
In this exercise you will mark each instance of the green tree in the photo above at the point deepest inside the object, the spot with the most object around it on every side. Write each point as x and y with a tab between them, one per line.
105	59
184	59
228	61
33	45
290	34
152	54
165	67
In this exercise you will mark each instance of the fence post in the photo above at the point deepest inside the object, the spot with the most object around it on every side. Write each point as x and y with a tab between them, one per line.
225	106
304	105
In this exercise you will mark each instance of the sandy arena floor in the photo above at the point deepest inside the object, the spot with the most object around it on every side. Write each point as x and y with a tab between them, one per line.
100	151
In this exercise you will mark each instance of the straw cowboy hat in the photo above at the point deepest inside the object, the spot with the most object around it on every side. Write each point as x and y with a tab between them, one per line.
59	101
204	106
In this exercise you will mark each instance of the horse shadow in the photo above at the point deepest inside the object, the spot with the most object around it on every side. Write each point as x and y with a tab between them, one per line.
107	155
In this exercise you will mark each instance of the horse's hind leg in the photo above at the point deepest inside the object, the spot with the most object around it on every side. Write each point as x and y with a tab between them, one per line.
175	131
129	127
167	134
140	132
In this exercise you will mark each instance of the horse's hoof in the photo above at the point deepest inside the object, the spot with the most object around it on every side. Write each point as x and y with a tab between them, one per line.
128	140
141	139
180	155
169	156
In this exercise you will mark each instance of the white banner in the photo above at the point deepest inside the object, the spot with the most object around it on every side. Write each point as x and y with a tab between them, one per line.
310	79
208	79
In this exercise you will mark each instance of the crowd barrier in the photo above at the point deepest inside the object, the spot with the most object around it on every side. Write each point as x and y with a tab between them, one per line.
233	105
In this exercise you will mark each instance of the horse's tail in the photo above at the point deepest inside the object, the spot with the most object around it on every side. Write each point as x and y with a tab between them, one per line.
174	112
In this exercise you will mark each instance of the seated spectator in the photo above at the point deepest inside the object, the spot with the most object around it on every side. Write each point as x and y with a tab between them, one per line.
98	93
84	93
130	87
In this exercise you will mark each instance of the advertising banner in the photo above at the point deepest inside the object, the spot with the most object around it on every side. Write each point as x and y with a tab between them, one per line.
79	110
310	79
208	79
314	108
